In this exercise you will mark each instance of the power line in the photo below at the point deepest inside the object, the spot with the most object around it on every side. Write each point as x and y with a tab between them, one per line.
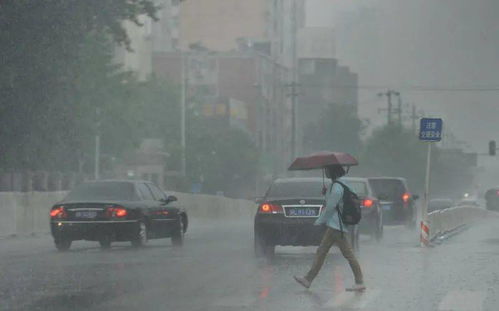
410	88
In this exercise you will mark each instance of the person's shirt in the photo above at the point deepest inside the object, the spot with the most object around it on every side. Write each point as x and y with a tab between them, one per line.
329	215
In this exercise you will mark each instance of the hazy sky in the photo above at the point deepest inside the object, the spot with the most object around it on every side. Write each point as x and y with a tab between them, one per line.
407	45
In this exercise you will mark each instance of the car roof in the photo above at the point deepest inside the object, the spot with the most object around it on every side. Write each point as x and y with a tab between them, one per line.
300	179
384	178
363	179
132	181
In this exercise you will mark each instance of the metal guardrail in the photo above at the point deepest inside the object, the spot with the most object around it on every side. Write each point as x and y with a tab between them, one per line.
444	221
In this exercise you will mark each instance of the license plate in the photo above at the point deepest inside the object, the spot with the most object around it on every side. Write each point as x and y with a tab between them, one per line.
302	212
387	207
86	214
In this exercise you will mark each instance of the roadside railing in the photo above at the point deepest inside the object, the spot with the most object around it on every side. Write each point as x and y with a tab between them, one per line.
444	221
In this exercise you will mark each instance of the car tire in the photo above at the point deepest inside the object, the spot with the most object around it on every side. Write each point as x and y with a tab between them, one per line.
354	237
105	242
262	248
140	238
378	234
63	244
178	235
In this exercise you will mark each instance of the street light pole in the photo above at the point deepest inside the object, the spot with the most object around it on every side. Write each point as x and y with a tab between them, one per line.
183	114
97	145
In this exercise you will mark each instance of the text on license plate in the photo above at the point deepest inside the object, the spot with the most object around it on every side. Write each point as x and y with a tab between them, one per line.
302	212
86	214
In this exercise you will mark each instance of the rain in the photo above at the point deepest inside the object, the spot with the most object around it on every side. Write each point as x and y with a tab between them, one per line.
249	155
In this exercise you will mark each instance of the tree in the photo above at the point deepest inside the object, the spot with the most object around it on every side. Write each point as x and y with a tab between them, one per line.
338	129
393	150
220	157
49	88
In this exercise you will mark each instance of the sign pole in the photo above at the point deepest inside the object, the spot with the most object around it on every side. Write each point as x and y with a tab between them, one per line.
425	230
430	130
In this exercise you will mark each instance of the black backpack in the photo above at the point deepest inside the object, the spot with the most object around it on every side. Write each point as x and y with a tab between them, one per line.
351	213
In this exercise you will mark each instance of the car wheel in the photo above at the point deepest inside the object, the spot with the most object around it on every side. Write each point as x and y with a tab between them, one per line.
262	248
378	235
105	242
354	237
62	244
140	238
178	236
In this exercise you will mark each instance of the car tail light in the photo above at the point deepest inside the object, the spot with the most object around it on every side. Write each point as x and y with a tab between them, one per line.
497	193
116	212
405	197
58	212
367	203
267	208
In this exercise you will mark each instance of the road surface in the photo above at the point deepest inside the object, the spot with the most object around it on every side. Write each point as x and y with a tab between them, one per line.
216	270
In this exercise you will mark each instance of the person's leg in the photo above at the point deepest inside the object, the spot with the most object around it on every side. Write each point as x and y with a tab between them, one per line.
320	256
347	252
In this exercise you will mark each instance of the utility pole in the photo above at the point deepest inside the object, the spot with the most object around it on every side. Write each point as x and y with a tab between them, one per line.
389	94
399	109
294	71
97	144
183	99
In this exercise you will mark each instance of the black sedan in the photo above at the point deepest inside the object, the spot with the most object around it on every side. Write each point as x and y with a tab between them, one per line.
286	215
117	210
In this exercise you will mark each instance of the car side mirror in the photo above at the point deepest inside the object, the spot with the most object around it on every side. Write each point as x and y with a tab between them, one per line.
415	196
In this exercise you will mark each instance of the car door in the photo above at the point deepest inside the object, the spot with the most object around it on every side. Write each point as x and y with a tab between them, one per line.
160	219
149	206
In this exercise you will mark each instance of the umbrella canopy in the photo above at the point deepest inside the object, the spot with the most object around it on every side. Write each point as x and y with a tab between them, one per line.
322	159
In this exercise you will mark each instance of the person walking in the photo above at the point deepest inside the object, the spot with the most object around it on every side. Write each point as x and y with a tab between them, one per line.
335	233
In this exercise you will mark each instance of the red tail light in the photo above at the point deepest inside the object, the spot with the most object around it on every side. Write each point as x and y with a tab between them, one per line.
368	203
58	212
267	208
406	197
116	212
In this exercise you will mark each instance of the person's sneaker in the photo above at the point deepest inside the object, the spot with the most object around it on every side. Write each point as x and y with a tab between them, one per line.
303	281
357	288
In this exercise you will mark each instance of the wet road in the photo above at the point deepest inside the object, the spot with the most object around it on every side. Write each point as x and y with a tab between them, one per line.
216	270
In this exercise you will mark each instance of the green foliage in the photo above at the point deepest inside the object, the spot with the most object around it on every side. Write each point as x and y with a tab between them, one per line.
220	157
56	61
338	129
395	151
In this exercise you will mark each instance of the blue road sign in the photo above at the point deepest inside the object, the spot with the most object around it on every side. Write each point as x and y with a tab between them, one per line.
430	129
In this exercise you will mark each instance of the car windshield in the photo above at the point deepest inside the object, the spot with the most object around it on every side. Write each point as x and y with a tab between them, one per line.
390	189
109	191
358	187
293	189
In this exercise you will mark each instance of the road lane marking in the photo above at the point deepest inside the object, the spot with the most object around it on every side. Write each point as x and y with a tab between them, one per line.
353	300
462	300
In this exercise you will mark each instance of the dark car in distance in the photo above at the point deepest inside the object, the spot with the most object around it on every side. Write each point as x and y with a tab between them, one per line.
117	210
492	199
397	202
372	214
286	214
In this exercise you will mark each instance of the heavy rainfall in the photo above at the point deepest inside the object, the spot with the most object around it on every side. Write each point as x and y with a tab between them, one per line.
249	155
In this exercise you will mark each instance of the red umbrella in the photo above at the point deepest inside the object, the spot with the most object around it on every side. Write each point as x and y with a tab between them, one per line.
322	159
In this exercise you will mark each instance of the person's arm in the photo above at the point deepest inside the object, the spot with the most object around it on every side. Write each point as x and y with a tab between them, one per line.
332	200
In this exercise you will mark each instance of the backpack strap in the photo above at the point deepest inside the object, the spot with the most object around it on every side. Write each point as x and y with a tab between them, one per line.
345	187
338	205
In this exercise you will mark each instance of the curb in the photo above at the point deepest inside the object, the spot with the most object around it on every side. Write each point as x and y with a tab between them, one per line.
440	238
